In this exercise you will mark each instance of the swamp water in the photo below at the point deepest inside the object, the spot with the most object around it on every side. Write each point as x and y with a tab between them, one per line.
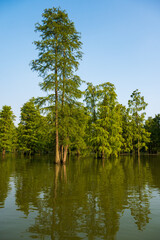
84	199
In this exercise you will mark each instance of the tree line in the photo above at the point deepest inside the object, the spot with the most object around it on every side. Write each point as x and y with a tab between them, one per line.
100	125
60	122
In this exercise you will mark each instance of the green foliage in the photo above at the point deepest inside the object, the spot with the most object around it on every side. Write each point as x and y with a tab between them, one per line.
99	138
152	125
127	130
110	117
79	122
106	122
32	129
59	52
91	100
7	129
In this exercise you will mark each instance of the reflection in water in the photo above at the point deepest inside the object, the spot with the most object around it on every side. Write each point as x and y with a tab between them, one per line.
140	196
82	200
6	170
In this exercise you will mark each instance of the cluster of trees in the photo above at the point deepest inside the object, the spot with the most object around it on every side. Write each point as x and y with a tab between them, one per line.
114	128
100	125
60	122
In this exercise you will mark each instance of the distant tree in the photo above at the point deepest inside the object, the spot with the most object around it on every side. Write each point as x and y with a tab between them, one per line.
7	129
136	107
152	125
59	52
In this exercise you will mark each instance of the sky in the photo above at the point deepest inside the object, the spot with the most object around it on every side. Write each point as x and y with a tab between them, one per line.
121	45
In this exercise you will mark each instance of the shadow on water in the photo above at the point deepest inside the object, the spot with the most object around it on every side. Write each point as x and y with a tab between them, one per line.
83	199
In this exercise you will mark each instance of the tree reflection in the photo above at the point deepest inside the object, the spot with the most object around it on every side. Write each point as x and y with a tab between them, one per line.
84	199
155	166
6	169
32	180
139	194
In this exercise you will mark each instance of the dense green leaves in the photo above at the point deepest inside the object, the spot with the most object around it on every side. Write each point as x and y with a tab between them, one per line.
7	129
152	125
105	119
32	129
103	126
127	130
137	106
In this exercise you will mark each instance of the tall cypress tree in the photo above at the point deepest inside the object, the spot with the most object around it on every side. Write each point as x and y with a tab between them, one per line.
59	52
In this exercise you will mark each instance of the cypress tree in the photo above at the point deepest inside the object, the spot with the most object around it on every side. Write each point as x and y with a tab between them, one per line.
59	52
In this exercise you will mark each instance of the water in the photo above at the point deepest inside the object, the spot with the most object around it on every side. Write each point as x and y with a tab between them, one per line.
85	199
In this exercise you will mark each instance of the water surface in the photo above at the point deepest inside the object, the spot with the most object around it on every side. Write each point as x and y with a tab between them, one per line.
84	199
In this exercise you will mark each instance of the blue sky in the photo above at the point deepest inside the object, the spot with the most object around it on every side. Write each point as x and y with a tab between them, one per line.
121	44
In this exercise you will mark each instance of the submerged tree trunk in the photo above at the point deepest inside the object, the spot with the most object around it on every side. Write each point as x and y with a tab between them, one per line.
65	154
64	79
57	158
63	149
103	154
57	141
78	152
61	152
138	148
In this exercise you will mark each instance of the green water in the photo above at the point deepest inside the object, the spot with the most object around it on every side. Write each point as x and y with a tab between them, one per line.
85	199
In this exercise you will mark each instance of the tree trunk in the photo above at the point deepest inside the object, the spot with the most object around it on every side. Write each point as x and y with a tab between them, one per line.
65	154
61	152
57	141
57	158
64	79
62	112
